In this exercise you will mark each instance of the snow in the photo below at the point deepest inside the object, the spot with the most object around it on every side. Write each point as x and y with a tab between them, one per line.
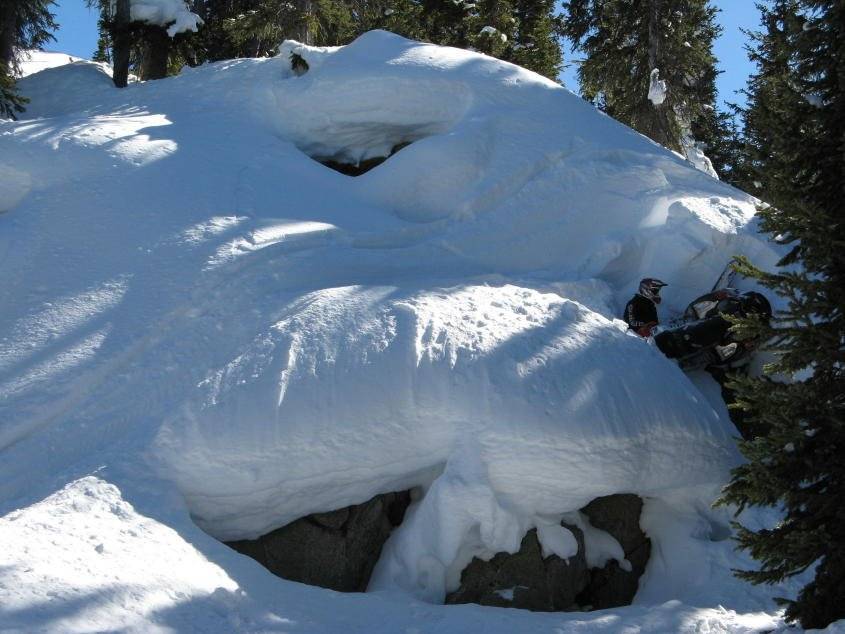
492	31
96	529
174	14
207	334
657	88
695	155
33	61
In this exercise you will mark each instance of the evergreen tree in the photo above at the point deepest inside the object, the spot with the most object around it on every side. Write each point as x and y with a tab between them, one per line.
492	27
776	110
536	44
798	406
720	138
523	31
631	47
23	24
257	31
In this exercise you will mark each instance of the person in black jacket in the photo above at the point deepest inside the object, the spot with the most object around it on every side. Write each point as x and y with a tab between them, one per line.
641	312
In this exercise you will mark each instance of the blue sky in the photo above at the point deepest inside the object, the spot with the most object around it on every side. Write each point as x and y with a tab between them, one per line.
77	35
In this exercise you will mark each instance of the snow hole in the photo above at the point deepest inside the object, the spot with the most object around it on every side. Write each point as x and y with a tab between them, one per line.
339	164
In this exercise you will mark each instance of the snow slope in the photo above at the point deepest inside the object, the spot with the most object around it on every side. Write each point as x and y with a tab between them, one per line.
204	328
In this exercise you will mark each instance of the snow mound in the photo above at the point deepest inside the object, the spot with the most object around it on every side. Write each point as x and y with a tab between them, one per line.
70	87
192	304
76	541
33	61
412	384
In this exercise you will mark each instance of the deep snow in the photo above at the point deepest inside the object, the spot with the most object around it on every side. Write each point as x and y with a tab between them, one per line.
33	61
202	327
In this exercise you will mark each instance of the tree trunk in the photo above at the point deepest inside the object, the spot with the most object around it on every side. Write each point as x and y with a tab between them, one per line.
304	31
156	51
658	123
7	35
654	57
121	43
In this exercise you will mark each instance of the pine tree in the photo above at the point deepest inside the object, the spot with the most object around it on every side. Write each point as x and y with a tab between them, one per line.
720	138
492	27
524	31
258	31
447	22
776	110
536	44
23	24
798	406
631	47
11	103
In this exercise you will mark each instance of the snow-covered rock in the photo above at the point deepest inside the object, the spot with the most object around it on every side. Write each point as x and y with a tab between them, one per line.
214	324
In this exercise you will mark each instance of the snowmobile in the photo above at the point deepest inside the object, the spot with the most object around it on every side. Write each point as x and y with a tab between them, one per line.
701	338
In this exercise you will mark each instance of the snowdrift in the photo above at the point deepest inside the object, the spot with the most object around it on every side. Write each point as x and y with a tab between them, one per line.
214	323
34	61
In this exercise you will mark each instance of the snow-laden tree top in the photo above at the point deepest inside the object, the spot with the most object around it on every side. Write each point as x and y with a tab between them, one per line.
174	14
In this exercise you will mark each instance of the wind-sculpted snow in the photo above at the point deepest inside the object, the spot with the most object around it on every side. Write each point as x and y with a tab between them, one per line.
213	323
361	390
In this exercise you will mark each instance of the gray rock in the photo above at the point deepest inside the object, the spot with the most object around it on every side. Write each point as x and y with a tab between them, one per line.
336	550
339	550
619	515
525	579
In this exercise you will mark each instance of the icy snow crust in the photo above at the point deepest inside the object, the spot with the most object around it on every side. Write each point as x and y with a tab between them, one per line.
198	318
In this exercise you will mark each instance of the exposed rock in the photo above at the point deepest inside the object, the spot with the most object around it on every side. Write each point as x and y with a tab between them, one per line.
298	64
525	579
339	550
336	550
618	515
362	167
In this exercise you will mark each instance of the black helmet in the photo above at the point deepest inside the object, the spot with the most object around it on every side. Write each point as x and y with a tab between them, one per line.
650	288
757	304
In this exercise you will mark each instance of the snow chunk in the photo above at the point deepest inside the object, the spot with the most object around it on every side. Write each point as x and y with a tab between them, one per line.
492	31
695	155
657	88
556	540
599	546
174	14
